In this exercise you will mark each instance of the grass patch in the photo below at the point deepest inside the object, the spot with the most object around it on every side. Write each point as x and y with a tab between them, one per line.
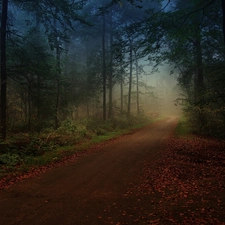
182	128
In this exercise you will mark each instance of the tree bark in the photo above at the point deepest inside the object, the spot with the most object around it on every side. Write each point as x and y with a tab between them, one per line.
37	17
58	73
137	79
130	81
3	69
199	81
110	112
104	68
121	90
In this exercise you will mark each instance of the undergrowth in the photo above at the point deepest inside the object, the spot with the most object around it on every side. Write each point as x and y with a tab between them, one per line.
23	151
182	129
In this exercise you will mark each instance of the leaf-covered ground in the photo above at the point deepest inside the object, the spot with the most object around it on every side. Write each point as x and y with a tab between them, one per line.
185	185
182	182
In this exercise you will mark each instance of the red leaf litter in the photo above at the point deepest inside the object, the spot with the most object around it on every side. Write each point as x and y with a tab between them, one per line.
183	184
186	184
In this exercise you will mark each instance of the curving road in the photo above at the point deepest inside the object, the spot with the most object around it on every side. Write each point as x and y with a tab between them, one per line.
81	192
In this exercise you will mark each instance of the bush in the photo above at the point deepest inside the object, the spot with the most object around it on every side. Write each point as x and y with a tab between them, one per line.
206	120
10	159
67	127
36	147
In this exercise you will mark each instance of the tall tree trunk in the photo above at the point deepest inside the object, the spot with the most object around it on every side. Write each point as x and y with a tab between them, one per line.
137	79
110	112
58	73
38	74
87	93
57	86
199	81
121	90
104	68
130	80
29	108
3	69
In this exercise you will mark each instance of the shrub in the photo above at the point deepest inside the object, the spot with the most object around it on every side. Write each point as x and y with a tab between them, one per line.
35	147
67	127
10	159
207	120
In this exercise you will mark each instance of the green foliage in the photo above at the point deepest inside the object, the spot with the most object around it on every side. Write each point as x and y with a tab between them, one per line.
71	132
6	147
68	127
24	151
97	126
206	116
206	120
36	147
101	127
195	48
182	128
10	159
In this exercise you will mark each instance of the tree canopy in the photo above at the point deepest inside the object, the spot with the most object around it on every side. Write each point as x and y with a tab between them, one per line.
69	59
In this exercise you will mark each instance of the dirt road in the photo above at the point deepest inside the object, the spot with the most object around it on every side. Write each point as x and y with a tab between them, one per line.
91	190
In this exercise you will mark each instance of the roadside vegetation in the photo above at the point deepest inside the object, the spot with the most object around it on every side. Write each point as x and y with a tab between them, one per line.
21	153
182	129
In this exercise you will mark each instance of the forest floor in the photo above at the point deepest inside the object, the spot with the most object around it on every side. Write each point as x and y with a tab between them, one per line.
146	177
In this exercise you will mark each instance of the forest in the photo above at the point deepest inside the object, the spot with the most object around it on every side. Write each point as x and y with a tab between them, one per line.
112	112
81	67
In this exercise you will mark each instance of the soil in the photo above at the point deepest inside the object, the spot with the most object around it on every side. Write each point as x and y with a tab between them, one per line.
92	189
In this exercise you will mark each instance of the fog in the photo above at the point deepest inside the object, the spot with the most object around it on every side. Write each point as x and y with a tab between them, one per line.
85	60
167	91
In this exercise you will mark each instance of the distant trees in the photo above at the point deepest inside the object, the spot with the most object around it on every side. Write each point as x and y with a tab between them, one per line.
27	54
66	59
190	37
73	59
195	46
127	36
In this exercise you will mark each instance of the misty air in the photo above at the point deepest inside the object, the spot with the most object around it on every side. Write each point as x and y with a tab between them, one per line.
112	112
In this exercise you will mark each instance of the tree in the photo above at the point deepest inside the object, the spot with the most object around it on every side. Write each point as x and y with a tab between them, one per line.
110	112
137	80
65	14
194	44
3	68
104	66
130	78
